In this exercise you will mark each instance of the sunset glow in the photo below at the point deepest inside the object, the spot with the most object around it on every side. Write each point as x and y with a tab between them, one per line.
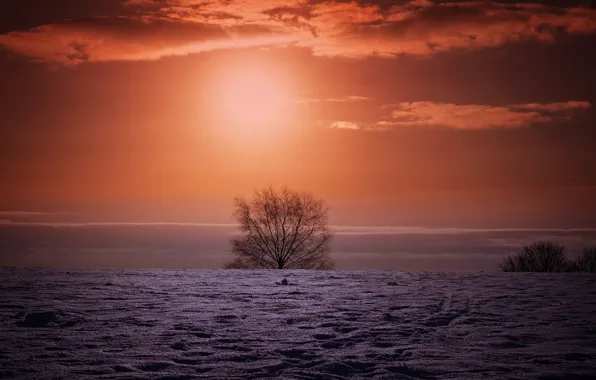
437	115
252	101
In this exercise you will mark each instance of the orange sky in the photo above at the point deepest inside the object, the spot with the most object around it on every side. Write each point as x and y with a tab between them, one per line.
409	113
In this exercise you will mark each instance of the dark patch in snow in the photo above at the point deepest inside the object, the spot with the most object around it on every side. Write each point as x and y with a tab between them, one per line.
323	336
412	372
328	324
19	315
295	353
180	346
331	344
154	366
188	361
393	308
232	348
383	344
39	319
244	358
123	368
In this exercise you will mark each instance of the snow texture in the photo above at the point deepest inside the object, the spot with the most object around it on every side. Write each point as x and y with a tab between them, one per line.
157	324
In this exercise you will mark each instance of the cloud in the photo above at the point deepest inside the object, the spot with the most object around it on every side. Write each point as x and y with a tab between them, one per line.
336	229
343	99
474	116
111	224
130	38
418	230
20	215
331	28
559	107
424	27
344	125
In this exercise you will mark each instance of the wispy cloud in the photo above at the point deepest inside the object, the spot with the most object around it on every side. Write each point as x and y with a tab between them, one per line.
30	214
465	116
179	27
344	125
113	224
417	230
343	99
21	213
336	229
474	116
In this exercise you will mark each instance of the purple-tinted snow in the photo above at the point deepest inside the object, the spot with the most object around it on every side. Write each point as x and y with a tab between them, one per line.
109	324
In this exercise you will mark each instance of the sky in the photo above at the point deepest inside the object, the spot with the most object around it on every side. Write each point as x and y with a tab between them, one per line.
130	125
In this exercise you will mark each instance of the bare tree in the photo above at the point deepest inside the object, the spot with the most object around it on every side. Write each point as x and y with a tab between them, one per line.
586	262
281	230
541	256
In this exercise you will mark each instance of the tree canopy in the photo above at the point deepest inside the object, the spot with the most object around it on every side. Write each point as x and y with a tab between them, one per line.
281	230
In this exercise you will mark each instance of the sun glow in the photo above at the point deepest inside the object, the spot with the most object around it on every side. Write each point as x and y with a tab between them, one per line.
252	101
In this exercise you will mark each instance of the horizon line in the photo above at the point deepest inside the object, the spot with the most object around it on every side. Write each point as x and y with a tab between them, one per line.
338	229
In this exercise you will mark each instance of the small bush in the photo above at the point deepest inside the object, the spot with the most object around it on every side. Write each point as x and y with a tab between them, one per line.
509	264
542	256
586	262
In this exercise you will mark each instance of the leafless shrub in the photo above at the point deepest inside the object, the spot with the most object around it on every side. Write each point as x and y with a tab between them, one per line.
586	262
541	256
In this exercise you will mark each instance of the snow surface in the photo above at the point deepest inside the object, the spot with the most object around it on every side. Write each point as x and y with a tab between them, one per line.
157	324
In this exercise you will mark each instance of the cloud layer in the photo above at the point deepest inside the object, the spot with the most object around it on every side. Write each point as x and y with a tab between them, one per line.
469	116
343	99
332	28
474	116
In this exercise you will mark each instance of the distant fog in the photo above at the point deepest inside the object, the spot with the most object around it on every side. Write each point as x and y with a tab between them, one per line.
207	246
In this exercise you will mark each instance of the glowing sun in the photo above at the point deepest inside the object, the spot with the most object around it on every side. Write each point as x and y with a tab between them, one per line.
252	100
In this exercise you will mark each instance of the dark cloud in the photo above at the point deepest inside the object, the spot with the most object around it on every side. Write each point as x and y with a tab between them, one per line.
424	27
112	38
22	15
150	29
